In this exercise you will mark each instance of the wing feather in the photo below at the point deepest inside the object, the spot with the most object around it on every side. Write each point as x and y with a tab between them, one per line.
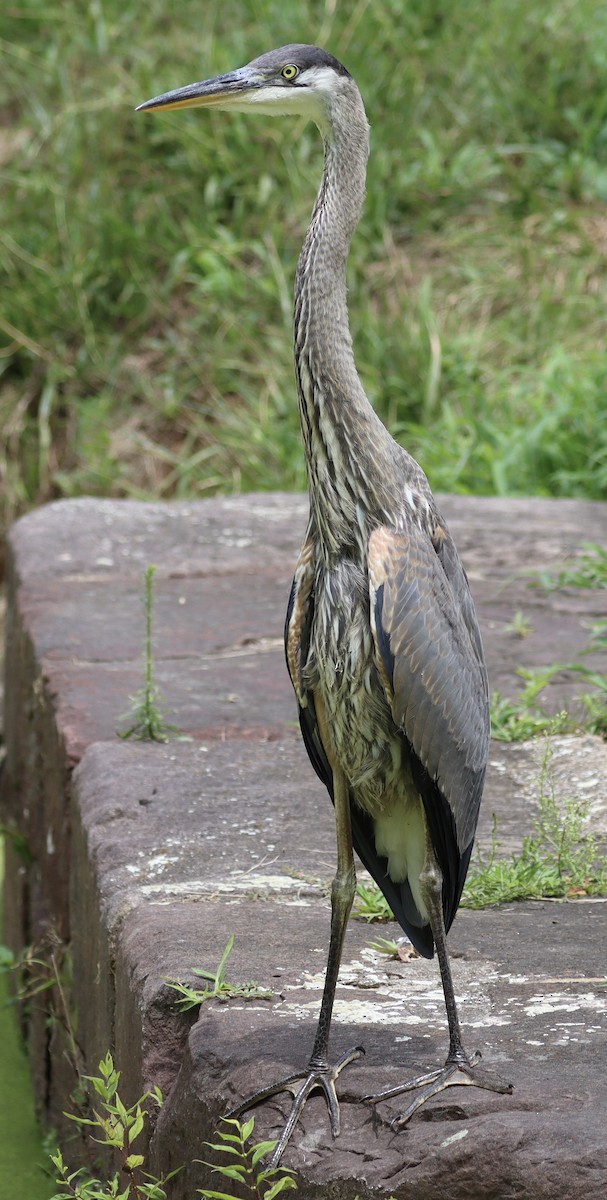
429	659
298	626
429	646
300	613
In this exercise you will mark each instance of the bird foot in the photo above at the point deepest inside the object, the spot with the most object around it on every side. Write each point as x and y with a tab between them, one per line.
459	1070
317	1076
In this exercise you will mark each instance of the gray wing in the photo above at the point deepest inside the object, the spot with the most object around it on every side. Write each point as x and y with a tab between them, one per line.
430	657
298	624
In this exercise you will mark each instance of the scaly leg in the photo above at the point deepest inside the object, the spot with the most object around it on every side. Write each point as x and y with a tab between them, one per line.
319	1074
459	1067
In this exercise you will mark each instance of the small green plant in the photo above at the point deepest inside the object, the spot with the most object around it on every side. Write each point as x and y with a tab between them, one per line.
41	975
371	904
589	570
387	946
31	974
245	1165
557	859
595	702
146	712
520	625
523	717
219	989
18	841
117	1127
401	950
598	635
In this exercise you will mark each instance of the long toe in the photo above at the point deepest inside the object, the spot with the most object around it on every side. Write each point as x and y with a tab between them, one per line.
458	1072
316	1077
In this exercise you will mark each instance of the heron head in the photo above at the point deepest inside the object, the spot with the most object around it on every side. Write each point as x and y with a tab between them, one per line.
296	80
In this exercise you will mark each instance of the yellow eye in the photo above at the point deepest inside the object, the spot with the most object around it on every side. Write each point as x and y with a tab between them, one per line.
289	72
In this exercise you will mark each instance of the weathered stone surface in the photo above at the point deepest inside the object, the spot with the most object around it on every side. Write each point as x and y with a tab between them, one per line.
148	857
212	852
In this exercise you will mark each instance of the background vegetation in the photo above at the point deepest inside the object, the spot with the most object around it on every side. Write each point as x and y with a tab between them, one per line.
146	262
23	1158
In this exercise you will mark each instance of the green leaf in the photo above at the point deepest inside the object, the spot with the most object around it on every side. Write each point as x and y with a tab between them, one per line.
237	1150
281	1185
224	959
215	1195
237	1171
7	958
136	1127
226	1137
106	1066
134	1160
247	1129
99	1085
260	1150
152	1191
202	974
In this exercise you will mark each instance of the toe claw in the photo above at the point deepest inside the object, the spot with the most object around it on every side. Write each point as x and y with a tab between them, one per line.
456	1072
322	1076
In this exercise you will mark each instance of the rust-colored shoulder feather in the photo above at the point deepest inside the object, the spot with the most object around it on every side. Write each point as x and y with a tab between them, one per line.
299	617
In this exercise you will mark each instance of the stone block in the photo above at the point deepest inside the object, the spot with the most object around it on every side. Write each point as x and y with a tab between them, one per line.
145	858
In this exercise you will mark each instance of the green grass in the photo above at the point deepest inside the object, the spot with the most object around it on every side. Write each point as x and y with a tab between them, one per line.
23	1160
370	904
22	1157
147	262
588	570
524	716
560	857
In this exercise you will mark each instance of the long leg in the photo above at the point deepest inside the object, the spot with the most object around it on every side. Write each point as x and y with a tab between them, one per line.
319	1073
458	1068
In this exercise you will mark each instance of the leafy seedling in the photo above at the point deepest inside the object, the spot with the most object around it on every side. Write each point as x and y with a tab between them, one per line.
218	988
589	570
524	717
116	1126
147	705
371	904
245	1165
520	625
401	950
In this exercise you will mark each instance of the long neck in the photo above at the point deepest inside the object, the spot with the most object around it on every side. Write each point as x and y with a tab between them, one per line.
344	440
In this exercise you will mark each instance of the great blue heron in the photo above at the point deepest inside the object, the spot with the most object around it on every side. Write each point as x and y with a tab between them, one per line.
382	642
